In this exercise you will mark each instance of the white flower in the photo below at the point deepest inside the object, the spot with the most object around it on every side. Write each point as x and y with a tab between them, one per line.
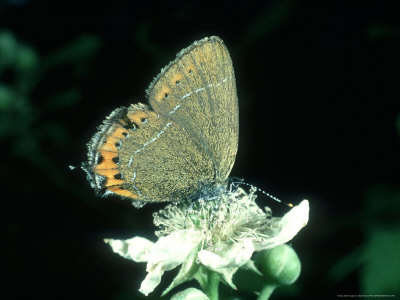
220	234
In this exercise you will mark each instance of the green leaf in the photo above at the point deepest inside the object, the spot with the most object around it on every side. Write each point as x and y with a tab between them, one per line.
80	49
347	264
381	272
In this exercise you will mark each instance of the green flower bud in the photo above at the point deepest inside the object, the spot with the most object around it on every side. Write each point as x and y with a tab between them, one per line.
280	264
190	294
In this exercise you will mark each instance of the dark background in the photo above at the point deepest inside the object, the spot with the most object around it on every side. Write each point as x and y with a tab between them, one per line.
318	88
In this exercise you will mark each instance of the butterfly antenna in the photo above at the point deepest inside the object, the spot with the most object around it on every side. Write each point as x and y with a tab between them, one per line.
238	182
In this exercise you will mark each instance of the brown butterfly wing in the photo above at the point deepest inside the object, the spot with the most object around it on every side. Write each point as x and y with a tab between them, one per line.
187	142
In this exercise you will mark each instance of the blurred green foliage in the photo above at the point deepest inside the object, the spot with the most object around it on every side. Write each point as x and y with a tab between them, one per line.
380	260
379	32
377	259
398	124
21	70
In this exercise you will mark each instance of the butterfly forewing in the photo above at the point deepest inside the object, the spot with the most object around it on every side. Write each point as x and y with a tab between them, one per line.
198	91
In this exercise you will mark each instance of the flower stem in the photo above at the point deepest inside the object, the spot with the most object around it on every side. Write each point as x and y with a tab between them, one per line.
212	285
266	292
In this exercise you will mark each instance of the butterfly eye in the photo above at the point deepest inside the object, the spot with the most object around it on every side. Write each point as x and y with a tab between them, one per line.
177	82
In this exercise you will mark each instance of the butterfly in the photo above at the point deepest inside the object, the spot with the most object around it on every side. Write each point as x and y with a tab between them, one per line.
183	143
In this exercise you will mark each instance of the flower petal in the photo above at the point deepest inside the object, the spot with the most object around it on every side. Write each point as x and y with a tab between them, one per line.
289	225
186	273
152	280
136	249
233	255
172	250
167	253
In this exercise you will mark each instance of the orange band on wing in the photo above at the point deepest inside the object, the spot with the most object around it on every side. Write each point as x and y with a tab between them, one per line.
107	162
109	145
137	116
119	133
176	78
163	93
110	176
109	173
113	182
124	193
